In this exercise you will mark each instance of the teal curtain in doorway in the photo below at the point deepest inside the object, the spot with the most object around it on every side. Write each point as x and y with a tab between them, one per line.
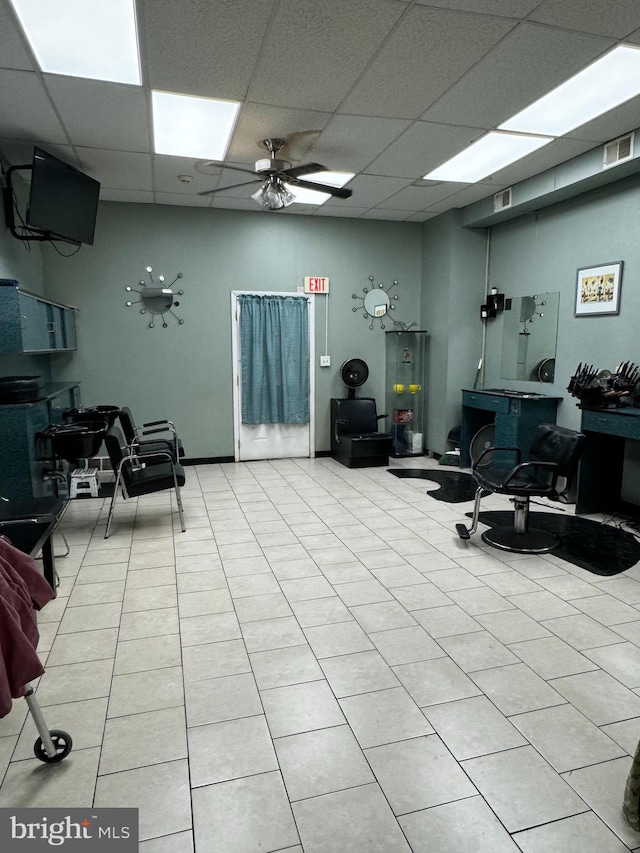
274	348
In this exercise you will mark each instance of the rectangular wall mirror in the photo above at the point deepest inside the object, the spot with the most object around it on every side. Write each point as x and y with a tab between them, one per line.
529	336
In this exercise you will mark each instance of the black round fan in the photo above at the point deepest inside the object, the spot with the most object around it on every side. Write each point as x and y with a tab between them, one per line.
354	373
546	370
481	441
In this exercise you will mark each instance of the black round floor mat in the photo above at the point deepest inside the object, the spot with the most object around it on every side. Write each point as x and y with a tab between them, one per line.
598	548
454	486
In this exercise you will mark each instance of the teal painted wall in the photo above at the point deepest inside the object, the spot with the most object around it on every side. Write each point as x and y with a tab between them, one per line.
542	252
184	372
453	264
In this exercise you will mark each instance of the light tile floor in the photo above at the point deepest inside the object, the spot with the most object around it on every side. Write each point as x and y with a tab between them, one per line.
319	664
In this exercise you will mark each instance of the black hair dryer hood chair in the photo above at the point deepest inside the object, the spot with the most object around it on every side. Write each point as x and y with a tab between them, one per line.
355	440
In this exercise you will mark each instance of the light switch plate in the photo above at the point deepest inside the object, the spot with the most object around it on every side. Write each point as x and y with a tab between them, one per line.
325	361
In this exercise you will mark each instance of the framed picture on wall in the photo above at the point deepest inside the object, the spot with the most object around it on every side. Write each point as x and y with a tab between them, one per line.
598	290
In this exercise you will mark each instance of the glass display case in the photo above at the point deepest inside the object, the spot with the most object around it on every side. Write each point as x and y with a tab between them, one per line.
406	390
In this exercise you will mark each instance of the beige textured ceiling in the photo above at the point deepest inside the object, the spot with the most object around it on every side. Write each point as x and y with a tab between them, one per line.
395	87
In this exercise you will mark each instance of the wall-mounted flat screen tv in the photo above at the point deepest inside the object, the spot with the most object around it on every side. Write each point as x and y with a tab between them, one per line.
63	201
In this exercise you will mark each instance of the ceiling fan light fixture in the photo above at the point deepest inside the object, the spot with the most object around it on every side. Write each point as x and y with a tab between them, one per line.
273	195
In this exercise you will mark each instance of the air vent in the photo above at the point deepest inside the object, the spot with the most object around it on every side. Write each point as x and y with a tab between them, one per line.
502	200
618	151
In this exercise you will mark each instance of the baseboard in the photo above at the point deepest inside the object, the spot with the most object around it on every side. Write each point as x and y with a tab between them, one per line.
207	460
217	460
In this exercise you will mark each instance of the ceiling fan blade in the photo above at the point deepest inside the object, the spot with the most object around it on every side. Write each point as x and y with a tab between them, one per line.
305	169
338	192
238	169
231	187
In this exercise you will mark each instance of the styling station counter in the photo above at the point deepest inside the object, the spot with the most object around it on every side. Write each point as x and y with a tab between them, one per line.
515	415
600	472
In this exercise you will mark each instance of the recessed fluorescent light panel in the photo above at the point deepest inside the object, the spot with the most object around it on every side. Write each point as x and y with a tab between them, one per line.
303	195
488	155
186	126
96	39
603	85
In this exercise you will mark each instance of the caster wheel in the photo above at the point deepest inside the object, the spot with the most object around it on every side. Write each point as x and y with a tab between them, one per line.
62	742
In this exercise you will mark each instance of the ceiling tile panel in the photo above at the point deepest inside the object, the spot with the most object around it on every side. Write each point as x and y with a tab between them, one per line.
120	123
130	196
350	143
529	62
333	210
416	198
13	51
398	215
429	50
421	148
200	47
422	216
508	8
315	52
368	191
25	109
259	121
117	169
165	176
183	200
616	19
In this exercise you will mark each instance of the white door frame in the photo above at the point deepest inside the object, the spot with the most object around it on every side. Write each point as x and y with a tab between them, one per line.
235	352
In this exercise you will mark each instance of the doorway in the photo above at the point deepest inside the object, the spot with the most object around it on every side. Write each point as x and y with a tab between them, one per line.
252	441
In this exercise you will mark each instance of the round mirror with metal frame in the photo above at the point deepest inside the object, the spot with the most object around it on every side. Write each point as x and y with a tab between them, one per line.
376	302
157	301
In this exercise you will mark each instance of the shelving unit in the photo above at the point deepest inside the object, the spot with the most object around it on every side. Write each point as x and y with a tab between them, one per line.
406	390
32	324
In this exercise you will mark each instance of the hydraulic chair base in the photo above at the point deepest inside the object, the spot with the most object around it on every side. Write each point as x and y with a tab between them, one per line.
533	541
521	539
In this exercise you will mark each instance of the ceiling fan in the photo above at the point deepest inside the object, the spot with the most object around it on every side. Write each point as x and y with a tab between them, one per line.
274	174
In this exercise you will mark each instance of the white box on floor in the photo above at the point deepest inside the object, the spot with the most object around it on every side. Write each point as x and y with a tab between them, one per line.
415	442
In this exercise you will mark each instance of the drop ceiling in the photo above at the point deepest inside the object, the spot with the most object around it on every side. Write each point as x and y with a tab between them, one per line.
395	87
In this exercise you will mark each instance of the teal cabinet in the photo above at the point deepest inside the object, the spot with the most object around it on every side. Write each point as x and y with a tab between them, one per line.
34	324
30	324
514	415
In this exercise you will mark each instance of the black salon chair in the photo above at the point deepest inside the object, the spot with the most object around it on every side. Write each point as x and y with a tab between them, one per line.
355	440
553	457
141	474
138	436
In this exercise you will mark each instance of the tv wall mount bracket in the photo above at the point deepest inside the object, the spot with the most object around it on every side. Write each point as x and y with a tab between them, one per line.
9	216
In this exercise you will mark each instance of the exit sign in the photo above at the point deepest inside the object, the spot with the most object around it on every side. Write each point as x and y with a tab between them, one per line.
316	284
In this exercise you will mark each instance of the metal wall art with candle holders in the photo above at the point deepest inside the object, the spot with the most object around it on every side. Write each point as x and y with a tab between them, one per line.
155	300
376	302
